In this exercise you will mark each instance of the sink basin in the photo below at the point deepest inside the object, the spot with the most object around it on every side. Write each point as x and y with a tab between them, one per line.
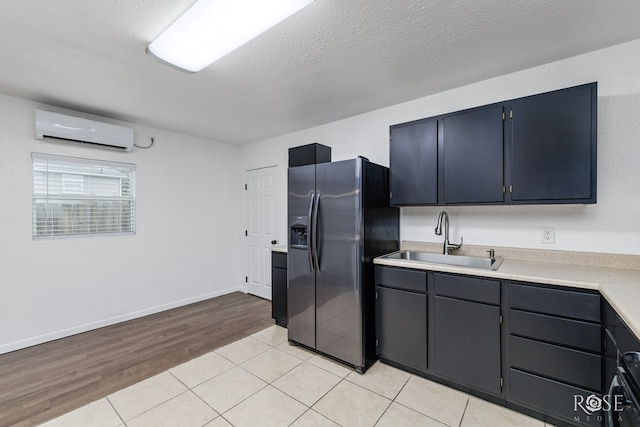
459	260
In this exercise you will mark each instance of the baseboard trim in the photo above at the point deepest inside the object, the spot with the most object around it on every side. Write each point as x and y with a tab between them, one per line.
39	339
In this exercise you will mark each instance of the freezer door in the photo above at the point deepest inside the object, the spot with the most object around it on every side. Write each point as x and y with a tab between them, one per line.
339	325
300	276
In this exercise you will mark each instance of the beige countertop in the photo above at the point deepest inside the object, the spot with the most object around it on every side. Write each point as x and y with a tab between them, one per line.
279	249
619	286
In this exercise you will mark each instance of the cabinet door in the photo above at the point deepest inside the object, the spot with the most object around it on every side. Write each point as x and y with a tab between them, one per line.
467	343
414	163
401	325
553	146
472	144
279	295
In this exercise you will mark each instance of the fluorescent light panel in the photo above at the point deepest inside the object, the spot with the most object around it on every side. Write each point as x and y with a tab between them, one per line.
212	28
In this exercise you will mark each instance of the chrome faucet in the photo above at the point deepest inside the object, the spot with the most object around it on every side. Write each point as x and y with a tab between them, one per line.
447	247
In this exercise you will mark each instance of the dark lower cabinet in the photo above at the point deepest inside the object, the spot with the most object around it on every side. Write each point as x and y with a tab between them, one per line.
557	362
279	288
401	317
619	333
532	347
402	327
550	397
554	351
467	333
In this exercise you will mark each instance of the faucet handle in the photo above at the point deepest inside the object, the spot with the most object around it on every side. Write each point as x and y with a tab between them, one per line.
454	246
492	253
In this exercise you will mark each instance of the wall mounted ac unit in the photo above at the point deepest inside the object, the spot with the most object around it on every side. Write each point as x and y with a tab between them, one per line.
70	128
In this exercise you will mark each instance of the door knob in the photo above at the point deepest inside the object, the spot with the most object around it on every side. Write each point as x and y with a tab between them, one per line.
273	242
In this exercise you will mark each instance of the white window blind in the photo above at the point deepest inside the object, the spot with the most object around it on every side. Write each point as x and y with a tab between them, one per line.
74	196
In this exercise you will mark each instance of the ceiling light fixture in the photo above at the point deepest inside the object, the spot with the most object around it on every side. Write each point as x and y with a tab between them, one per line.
210	29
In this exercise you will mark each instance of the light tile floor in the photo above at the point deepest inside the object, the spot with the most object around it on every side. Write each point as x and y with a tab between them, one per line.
261	380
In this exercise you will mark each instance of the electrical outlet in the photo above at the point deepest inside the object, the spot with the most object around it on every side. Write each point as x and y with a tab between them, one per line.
548	235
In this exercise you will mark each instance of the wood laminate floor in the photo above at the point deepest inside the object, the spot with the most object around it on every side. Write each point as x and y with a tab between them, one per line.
44	381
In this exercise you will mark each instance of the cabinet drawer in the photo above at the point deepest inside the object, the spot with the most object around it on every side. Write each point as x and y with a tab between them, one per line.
467	288
573	304
402	278
560	363
278	260
550	397
558	330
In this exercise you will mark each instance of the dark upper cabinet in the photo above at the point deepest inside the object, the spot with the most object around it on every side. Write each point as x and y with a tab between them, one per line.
532	150
472	156
553	147
414	156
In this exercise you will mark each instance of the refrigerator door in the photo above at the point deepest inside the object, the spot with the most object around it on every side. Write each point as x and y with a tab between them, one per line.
300	273
339	325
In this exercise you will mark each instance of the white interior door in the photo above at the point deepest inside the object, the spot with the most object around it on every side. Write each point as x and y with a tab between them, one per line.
263	217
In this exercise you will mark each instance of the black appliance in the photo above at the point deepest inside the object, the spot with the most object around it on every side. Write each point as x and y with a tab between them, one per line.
339	220
624	393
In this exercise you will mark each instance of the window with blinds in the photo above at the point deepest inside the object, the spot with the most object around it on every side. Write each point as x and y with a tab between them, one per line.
79	196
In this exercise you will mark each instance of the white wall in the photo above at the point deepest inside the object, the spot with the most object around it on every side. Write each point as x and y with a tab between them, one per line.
185	248
187	245
612	225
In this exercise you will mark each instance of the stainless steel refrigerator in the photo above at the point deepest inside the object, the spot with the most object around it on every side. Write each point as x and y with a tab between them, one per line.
339	220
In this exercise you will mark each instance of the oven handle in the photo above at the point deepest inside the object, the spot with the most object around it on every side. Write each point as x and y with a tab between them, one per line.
610	420
616	389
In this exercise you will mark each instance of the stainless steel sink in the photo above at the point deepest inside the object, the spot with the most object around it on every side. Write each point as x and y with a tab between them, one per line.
459	260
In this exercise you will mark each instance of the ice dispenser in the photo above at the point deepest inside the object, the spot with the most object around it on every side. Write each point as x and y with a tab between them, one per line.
298	230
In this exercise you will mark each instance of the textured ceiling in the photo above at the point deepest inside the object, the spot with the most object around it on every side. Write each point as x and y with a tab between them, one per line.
332	60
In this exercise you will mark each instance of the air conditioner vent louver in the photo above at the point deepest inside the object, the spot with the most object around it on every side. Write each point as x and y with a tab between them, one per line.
76	129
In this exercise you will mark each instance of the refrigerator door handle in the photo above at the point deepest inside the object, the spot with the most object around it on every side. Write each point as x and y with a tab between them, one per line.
310	231
315	233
